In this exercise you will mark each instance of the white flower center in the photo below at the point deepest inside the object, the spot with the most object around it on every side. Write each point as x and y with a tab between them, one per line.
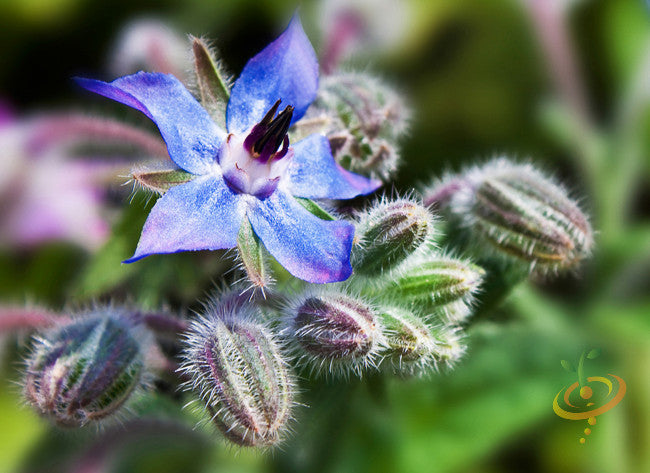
248	174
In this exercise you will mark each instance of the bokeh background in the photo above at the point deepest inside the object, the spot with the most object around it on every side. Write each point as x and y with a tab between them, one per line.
563	83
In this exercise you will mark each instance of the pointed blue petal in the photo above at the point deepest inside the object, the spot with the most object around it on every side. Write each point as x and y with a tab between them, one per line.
193	139
203	214
314	174
286	69
309	248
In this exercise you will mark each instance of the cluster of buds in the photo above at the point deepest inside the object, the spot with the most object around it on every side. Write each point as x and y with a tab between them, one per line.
364	120
516	212
423	294
85	369
396	249
402	308
402	311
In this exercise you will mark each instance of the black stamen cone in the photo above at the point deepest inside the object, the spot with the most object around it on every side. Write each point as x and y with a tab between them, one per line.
276	130
270	114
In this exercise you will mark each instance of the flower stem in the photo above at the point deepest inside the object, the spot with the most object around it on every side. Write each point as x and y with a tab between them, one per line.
66	129
162	323
17	318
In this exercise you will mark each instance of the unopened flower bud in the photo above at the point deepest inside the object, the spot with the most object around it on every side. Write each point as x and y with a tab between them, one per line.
238	370
410	344
453	313
388	233
517	212
333	330
436	281
363	119
86	369
450	345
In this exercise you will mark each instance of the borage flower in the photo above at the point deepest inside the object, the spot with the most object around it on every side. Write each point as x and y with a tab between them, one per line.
250	172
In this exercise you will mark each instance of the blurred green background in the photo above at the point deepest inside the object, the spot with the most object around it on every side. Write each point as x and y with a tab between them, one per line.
481	84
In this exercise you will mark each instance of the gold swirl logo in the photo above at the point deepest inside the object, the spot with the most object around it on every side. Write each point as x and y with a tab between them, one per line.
589	396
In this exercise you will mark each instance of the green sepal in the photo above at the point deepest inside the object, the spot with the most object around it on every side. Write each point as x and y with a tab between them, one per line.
315	209
161	180
212	84
253	256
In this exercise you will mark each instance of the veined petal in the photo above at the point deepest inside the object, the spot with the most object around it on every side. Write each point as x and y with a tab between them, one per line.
315	174
193	139
311	249
286	69
203	214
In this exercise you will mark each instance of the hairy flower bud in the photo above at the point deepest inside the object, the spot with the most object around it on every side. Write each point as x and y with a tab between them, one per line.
450	345
453	313
388	233
86	369
239	372
518	212
364	120
411	346
436	280
333	330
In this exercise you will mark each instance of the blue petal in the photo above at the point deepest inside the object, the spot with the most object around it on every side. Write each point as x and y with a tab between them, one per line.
286	69
314	174
309	248
193	139
203	214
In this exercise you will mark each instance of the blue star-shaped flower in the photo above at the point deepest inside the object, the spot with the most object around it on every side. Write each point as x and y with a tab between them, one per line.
250	172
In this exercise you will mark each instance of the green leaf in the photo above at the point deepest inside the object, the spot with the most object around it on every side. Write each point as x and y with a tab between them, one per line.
213	86
315	209
253	256
567	365
595	353
161	180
